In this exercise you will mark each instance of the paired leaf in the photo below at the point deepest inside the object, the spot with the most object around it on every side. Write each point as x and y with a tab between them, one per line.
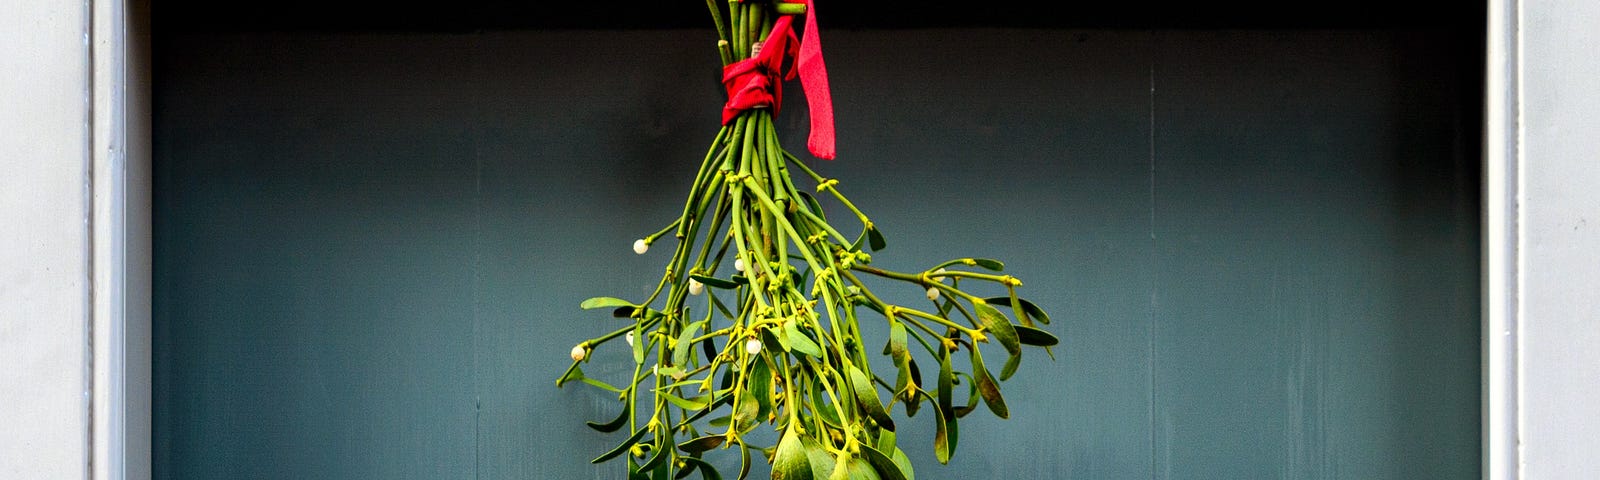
1035	337
760	382
987	387
707	471
1010	367
811	204
946	381
997	325
680	349
715	282
822	462
852	468
657	463
626	444
989	264
573	374
884	464
799	341
695	446
745	417
944	436
791	462
1032	311
875	238
612	426
638	343
695	403
896	348
605	302
904	462
867	396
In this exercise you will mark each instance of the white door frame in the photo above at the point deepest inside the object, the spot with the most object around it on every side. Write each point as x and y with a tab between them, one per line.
1500	237
116	161
120	331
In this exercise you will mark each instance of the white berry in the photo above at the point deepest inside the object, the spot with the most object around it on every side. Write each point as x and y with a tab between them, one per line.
629	338
695	287
752	346
640	246
578	352
738	264
933	294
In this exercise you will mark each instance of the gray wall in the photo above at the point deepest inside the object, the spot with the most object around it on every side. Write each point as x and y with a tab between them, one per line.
1261	248
1560	259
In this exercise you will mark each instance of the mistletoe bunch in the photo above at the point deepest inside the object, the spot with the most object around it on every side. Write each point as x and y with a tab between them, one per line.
756	319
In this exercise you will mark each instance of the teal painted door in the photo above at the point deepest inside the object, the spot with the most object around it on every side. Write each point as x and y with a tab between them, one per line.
1260	248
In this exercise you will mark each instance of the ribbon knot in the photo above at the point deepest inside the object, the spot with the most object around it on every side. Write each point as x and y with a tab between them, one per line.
758	81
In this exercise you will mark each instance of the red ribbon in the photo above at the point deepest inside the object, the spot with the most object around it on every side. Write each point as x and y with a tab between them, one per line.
758	81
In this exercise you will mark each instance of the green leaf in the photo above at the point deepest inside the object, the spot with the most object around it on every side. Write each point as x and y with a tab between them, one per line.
867	396
656	463
573	374
855	469
875	238
904	462
944	437
695	403
744	463
822	462
1010	367
605	302
680	349
749	410
633	471
715	282
638	343
972	395
987	387
897	341
884	465
896	349
998	326
916	373
946	386
902	379
989	264
612	426
702	444
1035	337
709	348
1033	311
799	341
707	471
760	382
811	203
828	413
791	462
623	447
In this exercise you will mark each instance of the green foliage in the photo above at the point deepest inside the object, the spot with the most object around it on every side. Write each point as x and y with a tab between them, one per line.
778	291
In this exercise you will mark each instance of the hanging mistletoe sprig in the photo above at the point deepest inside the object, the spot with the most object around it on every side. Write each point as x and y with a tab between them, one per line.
755	320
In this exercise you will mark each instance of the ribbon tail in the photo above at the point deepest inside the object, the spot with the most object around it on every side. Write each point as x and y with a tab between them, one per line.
814	80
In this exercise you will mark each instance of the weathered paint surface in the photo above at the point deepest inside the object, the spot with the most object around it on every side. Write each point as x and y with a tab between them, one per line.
1260	248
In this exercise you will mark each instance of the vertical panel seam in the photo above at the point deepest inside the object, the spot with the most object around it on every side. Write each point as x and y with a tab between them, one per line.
477	260
88	237
1151	340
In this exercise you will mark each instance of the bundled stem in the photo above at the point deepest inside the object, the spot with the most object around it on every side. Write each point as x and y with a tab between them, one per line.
790	352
